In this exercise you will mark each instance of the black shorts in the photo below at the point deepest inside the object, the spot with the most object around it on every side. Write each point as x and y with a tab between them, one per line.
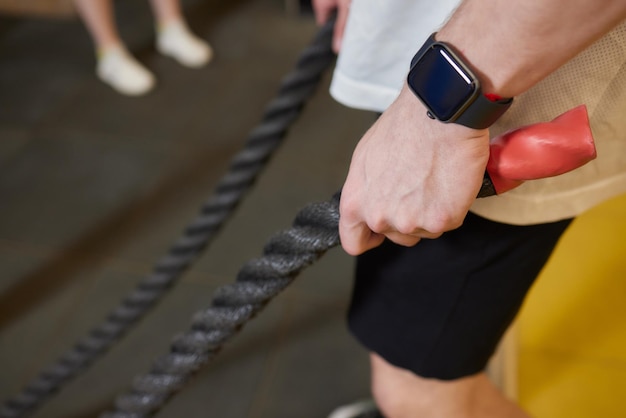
440	308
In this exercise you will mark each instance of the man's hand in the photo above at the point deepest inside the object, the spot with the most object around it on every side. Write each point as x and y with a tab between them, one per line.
411	177
323	10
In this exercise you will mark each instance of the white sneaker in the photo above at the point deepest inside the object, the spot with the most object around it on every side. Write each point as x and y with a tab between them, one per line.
175	40
118	68
361	409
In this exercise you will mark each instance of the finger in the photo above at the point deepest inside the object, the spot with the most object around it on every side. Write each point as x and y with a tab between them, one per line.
322	11
321	16
340	25
358	238
403	239
422	233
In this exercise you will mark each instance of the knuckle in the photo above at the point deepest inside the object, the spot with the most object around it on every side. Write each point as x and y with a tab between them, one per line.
441	223
378	224
406	225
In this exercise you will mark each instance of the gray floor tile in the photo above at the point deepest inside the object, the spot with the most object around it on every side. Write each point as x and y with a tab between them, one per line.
16	263
38	74
73	184
12	140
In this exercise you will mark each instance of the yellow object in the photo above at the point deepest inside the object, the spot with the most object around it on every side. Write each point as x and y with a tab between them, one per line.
572	328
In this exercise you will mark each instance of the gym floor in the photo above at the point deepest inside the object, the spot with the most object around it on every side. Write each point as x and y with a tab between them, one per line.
95	187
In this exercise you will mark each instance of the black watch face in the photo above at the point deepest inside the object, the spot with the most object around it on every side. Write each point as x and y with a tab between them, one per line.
441	83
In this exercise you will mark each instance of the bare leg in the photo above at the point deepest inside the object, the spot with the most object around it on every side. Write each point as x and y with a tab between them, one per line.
402	394
167	11
99	18
116	66
175	39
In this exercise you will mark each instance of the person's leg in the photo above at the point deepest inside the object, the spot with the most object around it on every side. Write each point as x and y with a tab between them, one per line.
175	39
400	393
433	314
116	66
167	11
100	22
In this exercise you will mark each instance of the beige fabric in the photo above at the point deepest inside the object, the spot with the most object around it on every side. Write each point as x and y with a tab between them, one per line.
597	78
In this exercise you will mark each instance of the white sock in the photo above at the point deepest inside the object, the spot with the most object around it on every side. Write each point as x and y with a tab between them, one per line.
177	41
118	68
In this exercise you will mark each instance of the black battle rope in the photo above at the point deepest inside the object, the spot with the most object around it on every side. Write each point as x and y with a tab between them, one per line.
286	254
295	89
314	231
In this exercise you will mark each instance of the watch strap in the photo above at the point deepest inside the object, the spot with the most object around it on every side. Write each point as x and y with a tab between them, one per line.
482	112
431	40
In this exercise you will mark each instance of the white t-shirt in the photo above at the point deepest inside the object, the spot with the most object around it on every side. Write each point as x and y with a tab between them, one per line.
380	39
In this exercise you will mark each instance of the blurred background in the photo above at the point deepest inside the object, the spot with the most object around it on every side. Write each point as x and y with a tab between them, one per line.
95	187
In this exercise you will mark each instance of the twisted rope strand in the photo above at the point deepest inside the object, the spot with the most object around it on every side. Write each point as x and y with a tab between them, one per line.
295	89
286	254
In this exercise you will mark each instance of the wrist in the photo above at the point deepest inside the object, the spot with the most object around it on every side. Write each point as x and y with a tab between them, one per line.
480	52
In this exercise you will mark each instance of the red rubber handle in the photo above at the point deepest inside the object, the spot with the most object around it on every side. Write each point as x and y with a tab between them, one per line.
541	150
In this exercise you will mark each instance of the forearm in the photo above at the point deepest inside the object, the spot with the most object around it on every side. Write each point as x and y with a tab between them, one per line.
513	44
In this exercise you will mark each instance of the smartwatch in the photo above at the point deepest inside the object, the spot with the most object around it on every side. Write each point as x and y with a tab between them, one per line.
449	89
